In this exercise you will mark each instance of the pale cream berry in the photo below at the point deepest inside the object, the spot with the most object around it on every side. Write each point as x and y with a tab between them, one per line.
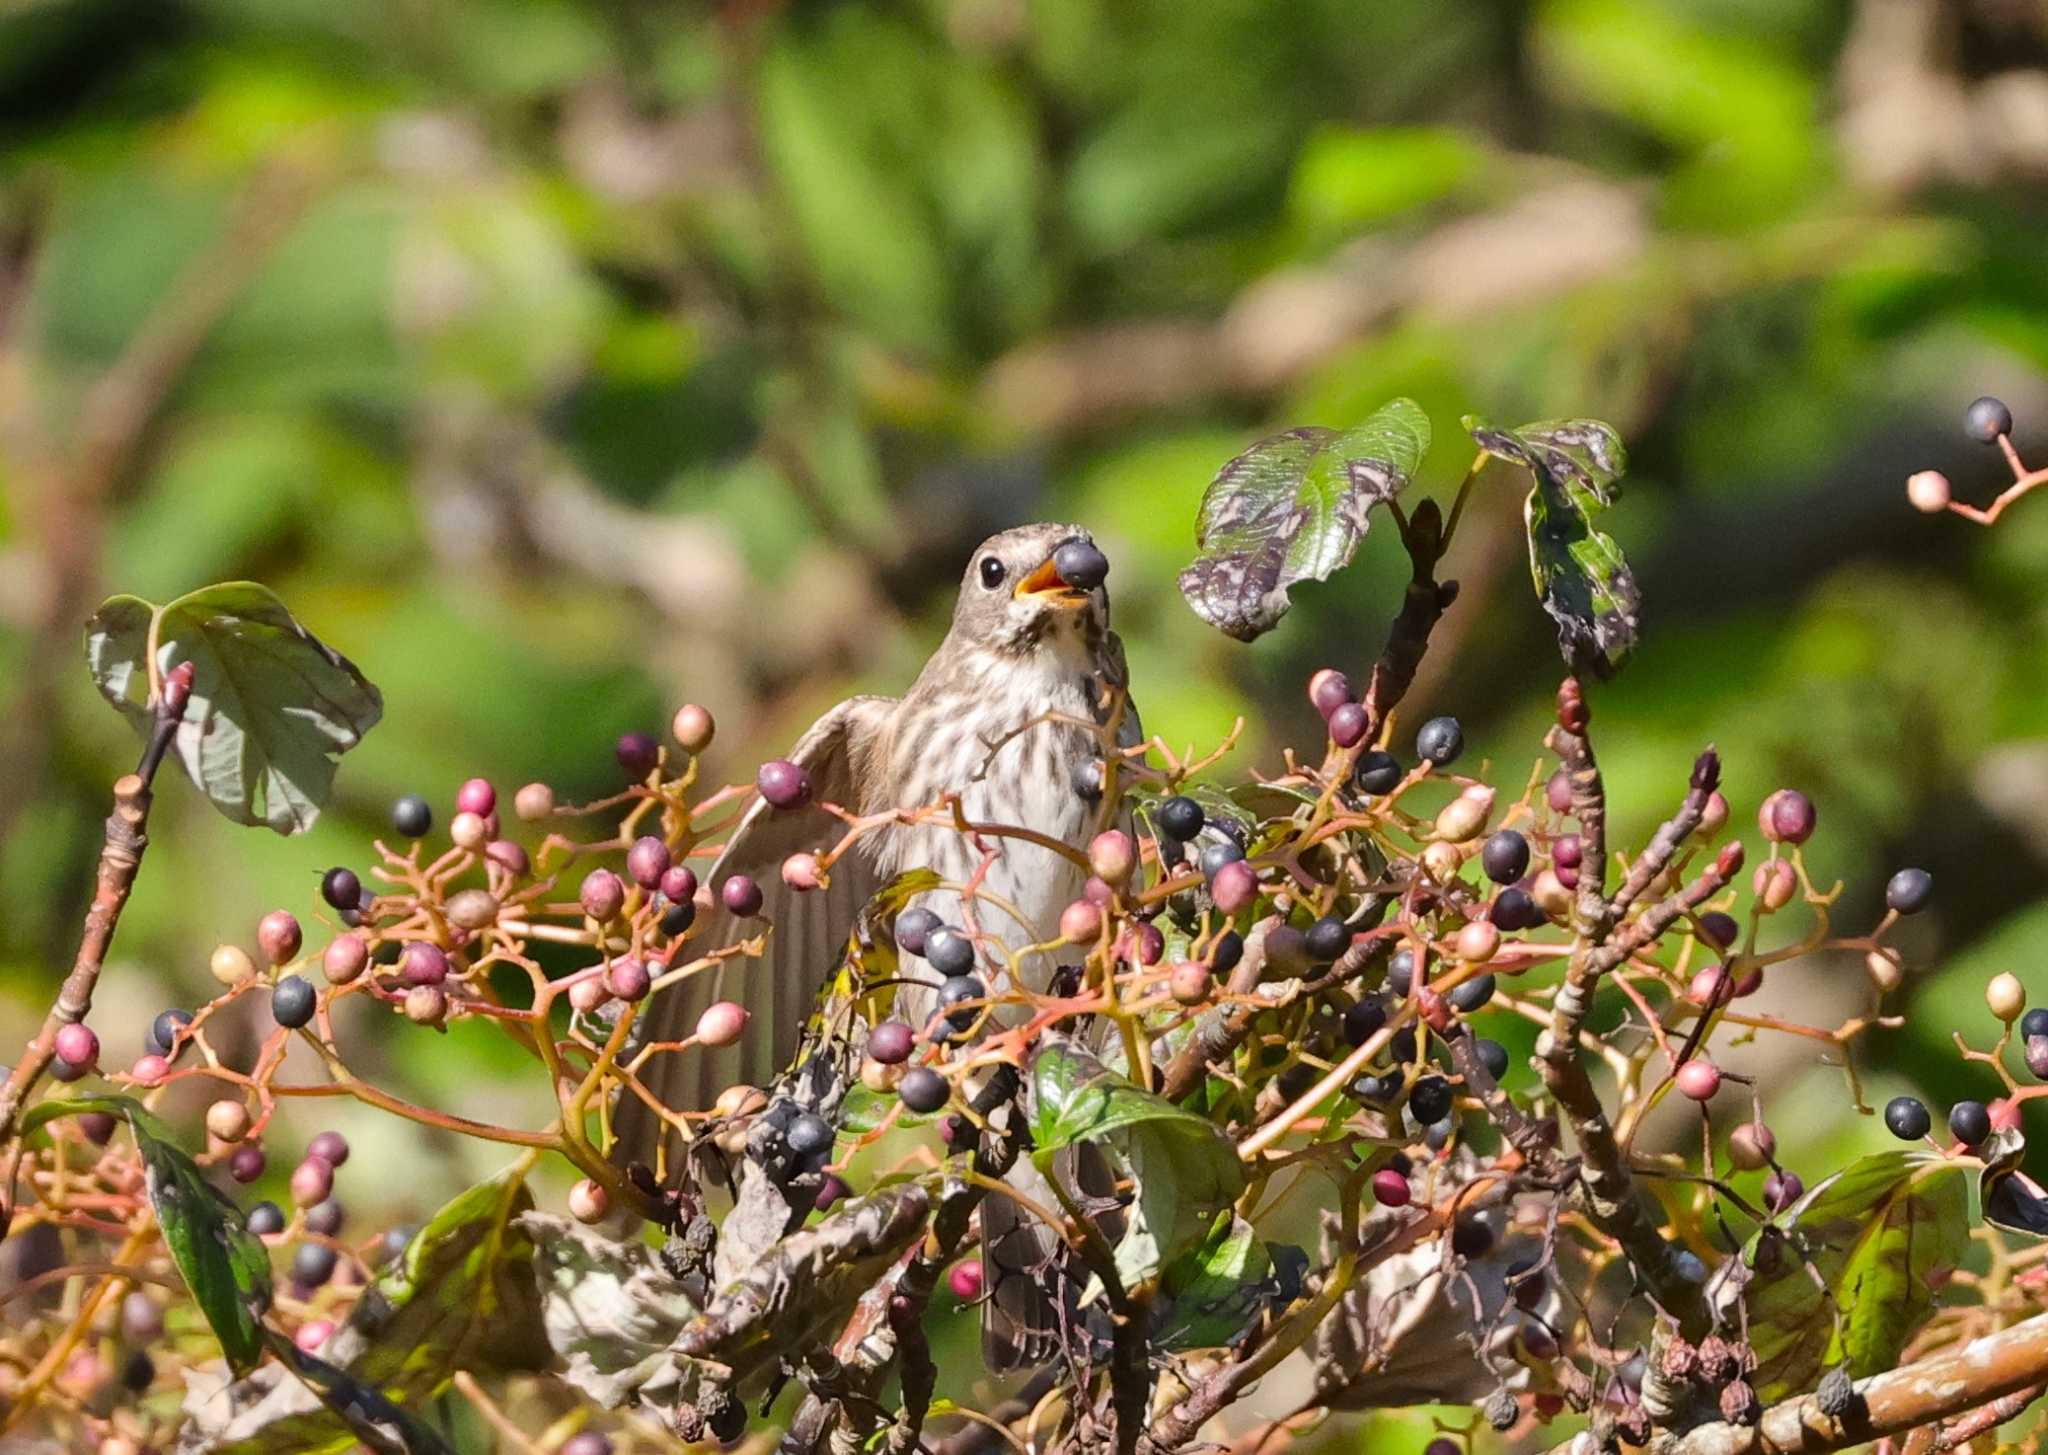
2006	996
231	964
589	1202
1928	490
228	1120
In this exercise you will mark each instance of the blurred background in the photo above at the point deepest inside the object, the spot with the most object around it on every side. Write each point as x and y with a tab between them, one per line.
561	362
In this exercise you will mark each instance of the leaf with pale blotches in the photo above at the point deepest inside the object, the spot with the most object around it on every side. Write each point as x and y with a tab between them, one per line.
1293	508
1581	576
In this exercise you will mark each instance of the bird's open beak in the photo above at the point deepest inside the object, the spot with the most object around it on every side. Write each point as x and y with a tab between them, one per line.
1047	585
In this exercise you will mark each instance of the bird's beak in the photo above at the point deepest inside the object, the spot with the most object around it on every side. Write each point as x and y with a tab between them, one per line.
1047	585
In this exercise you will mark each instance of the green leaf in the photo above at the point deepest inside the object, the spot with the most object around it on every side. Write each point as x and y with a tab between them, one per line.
1185	1171
272	706
1581	576
1874	1235
1293	508
462	1295
221	1261
1215	1288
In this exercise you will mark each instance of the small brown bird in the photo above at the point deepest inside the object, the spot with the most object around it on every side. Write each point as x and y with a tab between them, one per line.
1030	642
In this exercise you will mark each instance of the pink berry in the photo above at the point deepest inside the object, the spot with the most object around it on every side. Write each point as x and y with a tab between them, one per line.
150	1070
1774	884
603	894
679	884
1711	986
1557	792
647	861
965	1279
312	1181
1390	1188
741	895
722	1023
1081	921
588	994
278	936
1143	943
313	1334
1787	816
1235	887
1699	1079
1113	856
1189	981
783	784
345	959
477	797
78	1045
628	979
693	727
508	856
422	963
800	872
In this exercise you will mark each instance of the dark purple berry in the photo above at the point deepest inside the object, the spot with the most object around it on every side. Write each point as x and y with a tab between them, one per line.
1970	1123
1363	1019
98	1127
1782	1189
1909	890
1440	741
1429	1100
1328	938
1378	773
1088	779
325	1218
1471	1238
890	1042
638	754
1216	855
1505	857
783	784
741	895
292	1002
1180	817
956	990
247	1162
1493	1056
341	889
412	817
1401	972
1514	909
1987	419
138	1372
948	951
2034	1023
329	1147
912	928
1348	724
164	1038
1225	952
1471	995
923	1090
678	917
809	1136
313	1264
1907	1118
832	1188
1080	564
265	1220
1718	929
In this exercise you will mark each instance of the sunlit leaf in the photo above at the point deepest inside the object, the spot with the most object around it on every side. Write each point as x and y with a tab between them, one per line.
1293	508
1215	1288
221	1261
462	1295
272	706
1581	576
1184	1170
1874	1234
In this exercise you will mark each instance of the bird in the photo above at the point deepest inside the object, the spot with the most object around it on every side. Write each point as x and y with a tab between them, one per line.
1011	712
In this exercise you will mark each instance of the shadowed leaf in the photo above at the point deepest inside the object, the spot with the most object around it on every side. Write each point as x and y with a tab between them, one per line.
1293	508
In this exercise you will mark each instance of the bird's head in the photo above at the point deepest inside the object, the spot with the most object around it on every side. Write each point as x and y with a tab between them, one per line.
1031	586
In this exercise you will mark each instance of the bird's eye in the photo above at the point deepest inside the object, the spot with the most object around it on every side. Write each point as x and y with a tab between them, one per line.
991	572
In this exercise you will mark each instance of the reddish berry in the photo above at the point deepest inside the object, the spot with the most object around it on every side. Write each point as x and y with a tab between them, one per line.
1347	725
647	861
1390	1188
1329	690
679	884
329	1147
477	797
603	894
1787	817
77	1044
1699	1079
423	963
965	1280
783	784
278	936
741	895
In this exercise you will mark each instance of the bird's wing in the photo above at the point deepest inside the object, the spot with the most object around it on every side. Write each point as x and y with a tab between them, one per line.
808	932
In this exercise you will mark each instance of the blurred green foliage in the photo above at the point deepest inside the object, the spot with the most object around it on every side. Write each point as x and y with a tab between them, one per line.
561	361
